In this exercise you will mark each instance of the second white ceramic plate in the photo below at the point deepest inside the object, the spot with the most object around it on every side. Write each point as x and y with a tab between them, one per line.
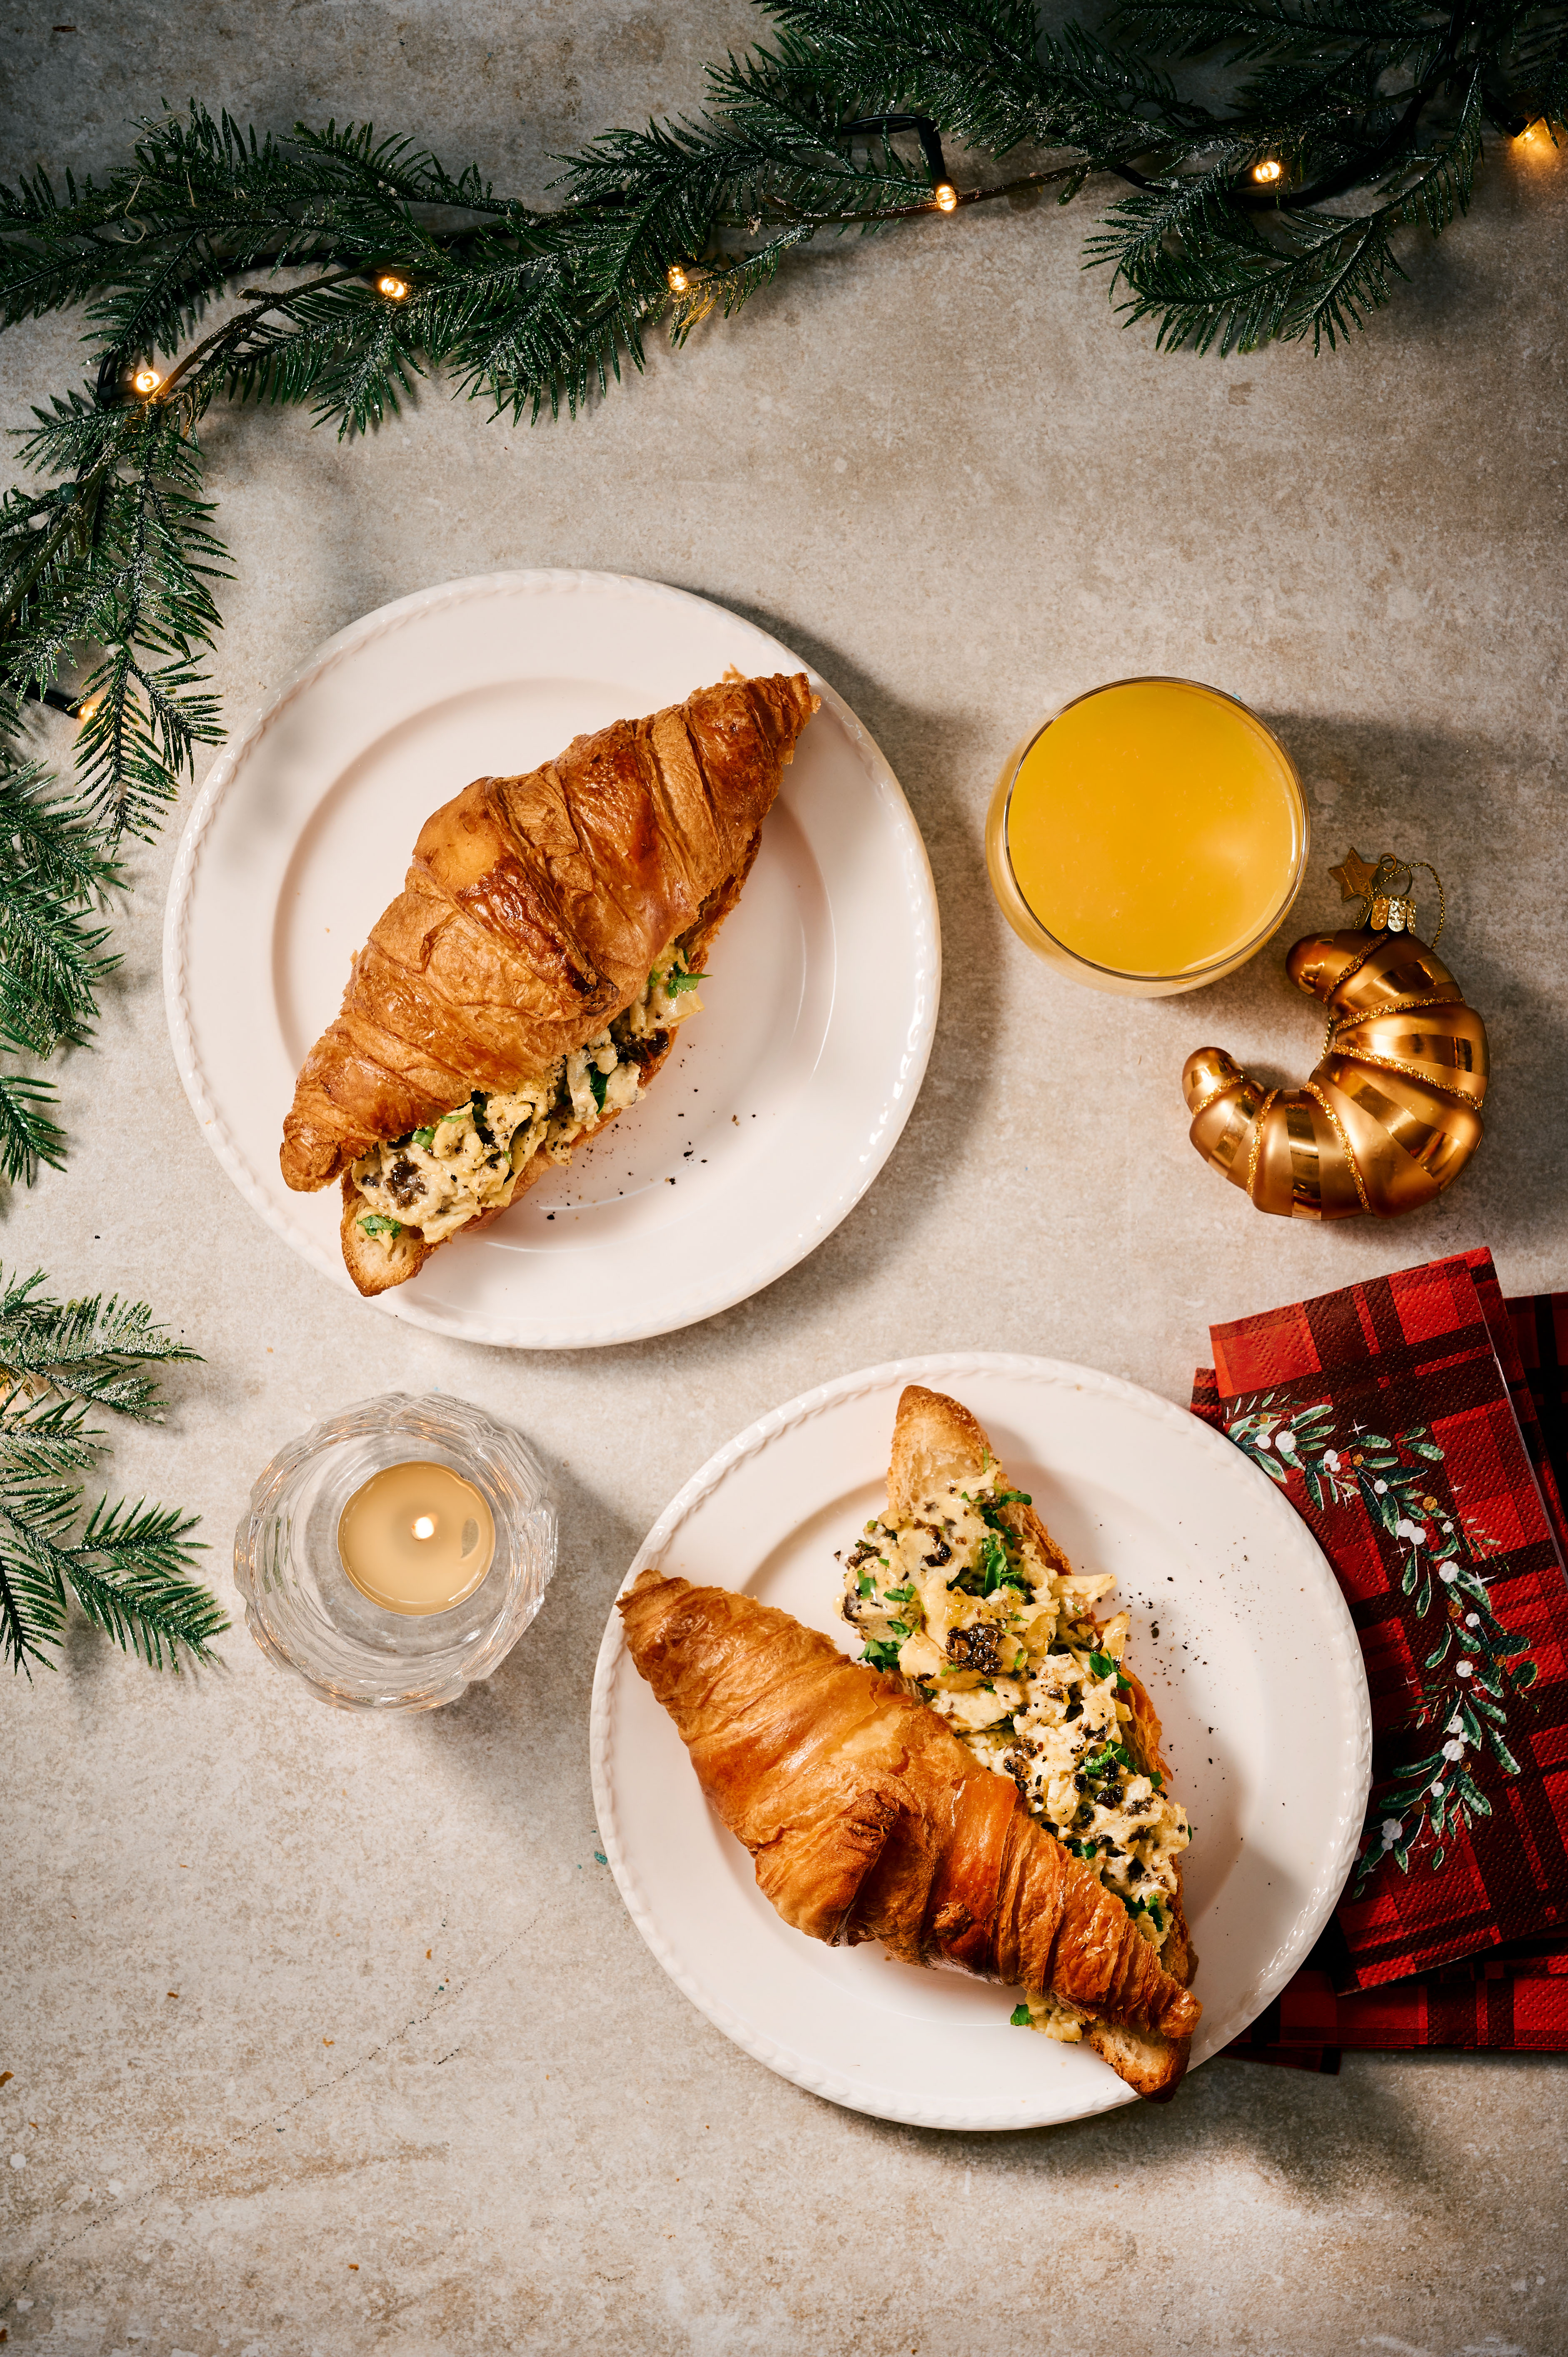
784	1097
1239	1630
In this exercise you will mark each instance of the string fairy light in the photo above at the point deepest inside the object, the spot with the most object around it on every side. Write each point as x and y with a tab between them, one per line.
395	289
1268	171
944	197
678	280
145	380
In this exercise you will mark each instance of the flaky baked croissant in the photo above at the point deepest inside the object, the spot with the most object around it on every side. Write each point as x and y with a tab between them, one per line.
522	988
962	1621
868	1820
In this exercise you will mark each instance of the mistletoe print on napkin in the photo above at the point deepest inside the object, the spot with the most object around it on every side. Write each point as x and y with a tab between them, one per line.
1395	1417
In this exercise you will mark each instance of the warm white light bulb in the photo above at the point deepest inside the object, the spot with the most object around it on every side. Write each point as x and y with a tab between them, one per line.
394	289
944	196
1270	170
678	281
425	1526
145	380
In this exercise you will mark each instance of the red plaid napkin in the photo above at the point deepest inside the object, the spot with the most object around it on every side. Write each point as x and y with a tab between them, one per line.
1418	1424
1512	2000
1539	1325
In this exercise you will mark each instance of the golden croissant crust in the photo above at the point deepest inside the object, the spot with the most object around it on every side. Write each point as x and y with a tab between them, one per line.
868	1820
534	911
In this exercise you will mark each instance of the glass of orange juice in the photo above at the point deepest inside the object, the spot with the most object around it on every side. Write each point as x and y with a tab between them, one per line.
1149	837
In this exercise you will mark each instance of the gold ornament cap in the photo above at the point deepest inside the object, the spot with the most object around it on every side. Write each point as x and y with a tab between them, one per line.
1393	912
1385	890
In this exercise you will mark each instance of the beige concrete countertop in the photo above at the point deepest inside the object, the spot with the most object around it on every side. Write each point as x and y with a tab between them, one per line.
330	2035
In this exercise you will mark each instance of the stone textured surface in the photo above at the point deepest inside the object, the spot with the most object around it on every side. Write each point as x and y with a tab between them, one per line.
330	2036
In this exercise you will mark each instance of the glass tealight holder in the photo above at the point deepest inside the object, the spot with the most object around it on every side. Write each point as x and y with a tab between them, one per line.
307	1615
1148	838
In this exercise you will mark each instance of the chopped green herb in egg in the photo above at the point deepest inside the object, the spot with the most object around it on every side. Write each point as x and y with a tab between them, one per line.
1003	1641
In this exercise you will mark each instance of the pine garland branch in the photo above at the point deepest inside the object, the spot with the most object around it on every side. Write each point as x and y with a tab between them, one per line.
980	69
128	1567
54	877
1211	275
86	1350
28	1132
119	561
130	1572
201	200
41	1438
33	1601
46	842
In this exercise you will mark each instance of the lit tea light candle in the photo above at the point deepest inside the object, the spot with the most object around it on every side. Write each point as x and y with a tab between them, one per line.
416	1538
1149	838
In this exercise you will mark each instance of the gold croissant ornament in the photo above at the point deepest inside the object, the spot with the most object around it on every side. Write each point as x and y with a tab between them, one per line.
1392	1112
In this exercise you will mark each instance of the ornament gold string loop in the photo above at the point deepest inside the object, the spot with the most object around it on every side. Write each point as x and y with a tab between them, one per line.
1442	897
1388	903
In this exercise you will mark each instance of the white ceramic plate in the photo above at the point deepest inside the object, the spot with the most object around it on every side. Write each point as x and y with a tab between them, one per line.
1239	1630
783	1099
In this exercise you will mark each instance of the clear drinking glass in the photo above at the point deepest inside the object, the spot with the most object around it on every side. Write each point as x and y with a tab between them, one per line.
1164	796
305	1613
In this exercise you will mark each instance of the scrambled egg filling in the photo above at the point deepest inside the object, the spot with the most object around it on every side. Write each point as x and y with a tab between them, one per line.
470	1159
1007	1649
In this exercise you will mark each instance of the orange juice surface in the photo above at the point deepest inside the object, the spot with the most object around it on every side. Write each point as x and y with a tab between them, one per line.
1155	828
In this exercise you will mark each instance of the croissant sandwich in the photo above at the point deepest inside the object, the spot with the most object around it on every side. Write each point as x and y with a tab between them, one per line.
523	988
962	1590
870	1813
